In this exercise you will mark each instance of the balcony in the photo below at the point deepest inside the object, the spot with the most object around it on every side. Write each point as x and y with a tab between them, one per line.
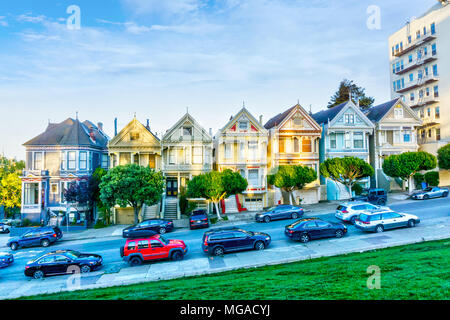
430	121
424	101
187	167
418	83
417	63
416	43
36	173
349	150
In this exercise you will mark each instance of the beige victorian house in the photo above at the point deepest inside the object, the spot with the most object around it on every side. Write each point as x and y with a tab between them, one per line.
395	132
241	145
135	143
294	140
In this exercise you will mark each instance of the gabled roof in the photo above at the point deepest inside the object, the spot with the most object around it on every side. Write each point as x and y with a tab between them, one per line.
188	117
249	115
70	133
376	113
327	115
133	123
278	119
282	117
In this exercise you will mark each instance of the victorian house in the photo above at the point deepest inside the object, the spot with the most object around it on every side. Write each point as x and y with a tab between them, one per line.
395	132
294	140
345	132
65	153
241	145
135	143
186	152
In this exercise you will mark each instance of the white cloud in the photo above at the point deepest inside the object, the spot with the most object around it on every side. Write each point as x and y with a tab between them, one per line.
3	23
27	17
163	6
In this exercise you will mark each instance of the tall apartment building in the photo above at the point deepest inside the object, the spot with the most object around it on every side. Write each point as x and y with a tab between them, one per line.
420	73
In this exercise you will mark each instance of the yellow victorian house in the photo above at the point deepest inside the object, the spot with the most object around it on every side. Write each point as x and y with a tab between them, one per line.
294	140
135	143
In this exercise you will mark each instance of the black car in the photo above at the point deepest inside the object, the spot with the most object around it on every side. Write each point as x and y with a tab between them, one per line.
4	228
222	240
6	259
283	211
42	236
62	262
374	196
160	226
314	228
199	219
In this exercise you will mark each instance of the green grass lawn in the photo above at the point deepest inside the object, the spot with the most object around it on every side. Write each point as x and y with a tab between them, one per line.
417	271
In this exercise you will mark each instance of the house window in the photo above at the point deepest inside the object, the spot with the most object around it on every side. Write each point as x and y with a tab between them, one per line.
438	134
241	150
411	96
227	147
382	136
433	49
104	161
253	149
198	155
424	30
396	136
436	113
349	118
420	74
54	188
426	71
407	136
187	131
38	161
429	133
306	145
253	178
64	187
429	112
411	77
348	141
333	141
71	160
83	160
398	113
358	140
436	91
282	145
243	125
421	93
435	71
418	34
433	28
409	39
172	153
31	193
63	161
410	58
421	113
427	92
187	155
296	145
134	136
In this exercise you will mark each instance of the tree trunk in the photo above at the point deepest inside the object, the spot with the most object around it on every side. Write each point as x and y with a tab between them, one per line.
350	190
136	214
291	197
216	205
410	185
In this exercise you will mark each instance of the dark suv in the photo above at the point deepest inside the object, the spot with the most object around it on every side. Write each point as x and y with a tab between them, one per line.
219	241
42	236
199	219
374	196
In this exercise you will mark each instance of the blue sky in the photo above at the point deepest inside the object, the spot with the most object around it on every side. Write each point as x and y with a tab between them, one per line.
157	58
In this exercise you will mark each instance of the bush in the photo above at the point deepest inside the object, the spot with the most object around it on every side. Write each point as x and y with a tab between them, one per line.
100	224
432	178
358	189
418	179
185	206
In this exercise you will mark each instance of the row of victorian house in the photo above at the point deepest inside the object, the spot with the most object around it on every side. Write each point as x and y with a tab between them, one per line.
71	150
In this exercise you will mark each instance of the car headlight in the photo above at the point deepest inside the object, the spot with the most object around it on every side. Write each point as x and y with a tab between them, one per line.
267	238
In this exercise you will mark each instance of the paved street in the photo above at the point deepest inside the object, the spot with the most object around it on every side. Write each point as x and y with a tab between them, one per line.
435	223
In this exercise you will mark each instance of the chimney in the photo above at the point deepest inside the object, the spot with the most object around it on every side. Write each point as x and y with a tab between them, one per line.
357	102
261	119
148	124
115	126
210	132
100	126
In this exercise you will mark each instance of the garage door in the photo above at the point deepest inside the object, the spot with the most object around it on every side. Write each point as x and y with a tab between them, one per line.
125	216
253	204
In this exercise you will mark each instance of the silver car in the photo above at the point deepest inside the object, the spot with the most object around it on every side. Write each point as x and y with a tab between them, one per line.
430	192
381	220
349	211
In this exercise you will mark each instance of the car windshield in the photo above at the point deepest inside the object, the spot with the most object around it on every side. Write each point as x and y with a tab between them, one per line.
364	217
250	233
296	223
427	189
163	240
73	254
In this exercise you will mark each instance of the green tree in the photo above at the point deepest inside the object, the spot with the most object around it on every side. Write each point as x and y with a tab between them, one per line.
358	93
10	184
348	170
233	182
131	185
290	178
405	165
94	196
444	157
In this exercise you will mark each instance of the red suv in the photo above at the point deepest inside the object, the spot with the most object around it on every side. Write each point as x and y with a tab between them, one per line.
138	250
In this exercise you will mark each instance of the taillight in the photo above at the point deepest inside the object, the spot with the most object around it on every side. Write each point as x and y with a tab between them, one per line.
206	219
192	221
54	235
290	231
344	211
206	241
26	267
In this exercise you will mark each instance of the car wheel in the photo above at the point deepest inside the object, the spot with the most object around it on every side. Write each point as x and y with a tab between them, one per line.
381	202
294	215
445	194
135	261
426	197
339	234
85	269
14	246
162	230
259	245
411	223
218	251
177	256
45	243
7	231
38	274
379	229
353	220
304	238
266	219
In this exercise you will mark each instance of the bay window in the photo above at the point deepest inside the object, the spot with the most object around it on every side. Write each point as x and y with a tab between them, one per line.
198	155
253	178
83	160
71	160
358	140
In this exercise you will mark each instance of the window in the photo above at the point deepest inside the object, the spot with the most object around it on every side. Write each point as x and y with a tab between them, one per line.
410	58
243	125
358	140
71	160
438	134
396	136
424	30
429	112
426	71
156	244
420	74
433	28
427	92
394	86
436	113
333	141
421	93
54	188
253	150
227	147
63	161
134	136
31	193
310	225
348	142
421	113
306	145
407	136
282	145
297	121
172	154
37	161
131	245
296	145
429	133
143	244
241	152
411	96
322	224
198	155
398	113
83	160
418	34
433	49
349	118
253	178
187	155
411	77
104	161
187	131
425	51
409	39
64	187
435	70
436	91
393	68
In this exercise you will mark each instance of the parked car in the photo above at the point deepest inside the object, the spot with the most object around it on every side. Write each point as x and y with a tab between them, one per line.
6	259
283	211
139	249
430	192
4	228
223	240
308	229
62	262
42	236
349	211
160	226
374	196
199	219
378	221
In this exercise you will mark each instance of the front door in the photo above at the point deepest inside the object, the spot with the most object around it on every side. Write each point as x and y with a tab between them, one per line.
172	187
